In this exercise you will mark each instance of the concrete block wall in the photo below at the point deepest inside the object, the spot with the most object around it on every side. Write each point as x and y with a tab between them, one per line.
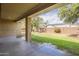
65	30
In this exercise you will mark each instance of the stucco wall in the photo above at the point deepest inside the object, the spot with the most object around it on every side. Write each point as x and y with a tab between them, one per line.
7	28
21	27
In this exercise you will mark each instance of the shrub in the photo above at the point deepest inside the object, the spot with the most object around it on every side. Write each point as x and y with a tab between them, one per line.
57	30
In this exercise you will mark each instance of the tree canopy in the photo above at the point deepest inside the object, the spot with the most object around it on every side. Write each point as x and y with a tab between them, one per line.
37	22
69	13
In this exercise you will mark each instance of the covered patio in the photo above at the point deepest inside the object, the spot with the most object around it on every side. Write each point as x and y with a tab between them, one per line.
10	45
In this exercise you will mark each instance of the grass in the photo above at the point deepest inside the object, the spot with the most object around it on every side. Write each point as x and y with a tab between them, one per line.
62	43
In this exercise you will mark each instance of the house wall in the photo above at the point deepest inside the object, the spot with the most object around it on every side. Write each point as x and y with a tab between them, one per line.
21	27
7	28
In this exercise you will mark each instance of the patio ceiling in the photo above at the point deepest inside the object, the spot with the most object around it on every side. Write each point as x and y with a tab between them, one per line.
12	11
17	11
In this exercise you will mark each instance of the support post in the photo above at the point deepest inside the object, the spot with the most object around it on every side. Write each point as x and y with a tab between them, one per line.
28	29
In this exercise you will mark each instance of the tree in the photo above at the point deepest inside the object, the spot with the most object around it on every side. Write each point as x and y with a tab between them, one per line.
69	13
46	23
36	23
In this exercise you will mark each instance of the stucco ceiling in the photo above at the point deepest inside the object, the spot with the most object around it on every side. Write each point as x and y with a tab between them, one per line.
11	11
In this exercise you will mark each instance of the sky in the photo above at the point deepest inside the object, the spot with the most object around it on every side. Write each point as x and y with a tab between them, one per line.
52	17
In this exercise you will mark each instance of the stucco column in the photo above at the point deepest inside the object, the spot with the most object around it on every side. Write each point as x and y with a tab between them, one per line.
28	29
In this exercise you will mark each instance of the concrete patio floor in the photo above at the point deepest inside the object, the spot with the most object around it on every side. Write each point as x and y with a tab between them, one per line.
12	46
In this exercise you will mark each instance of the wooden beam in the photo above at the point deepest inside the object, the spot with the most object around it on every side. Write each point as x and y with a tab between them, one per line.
35	9
0	10
7	20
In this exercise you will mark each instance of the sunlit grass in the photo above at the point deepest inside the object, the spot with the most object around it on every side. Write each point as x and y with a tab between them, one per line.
61	42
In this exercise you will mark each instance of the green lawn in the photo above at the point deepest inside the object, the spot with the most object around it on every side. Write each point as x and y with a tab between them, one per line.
61	42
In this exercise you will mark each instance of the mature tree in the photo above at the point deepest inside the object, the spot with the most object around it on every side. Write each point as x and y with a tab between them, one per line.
69	13
37	22
46	23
